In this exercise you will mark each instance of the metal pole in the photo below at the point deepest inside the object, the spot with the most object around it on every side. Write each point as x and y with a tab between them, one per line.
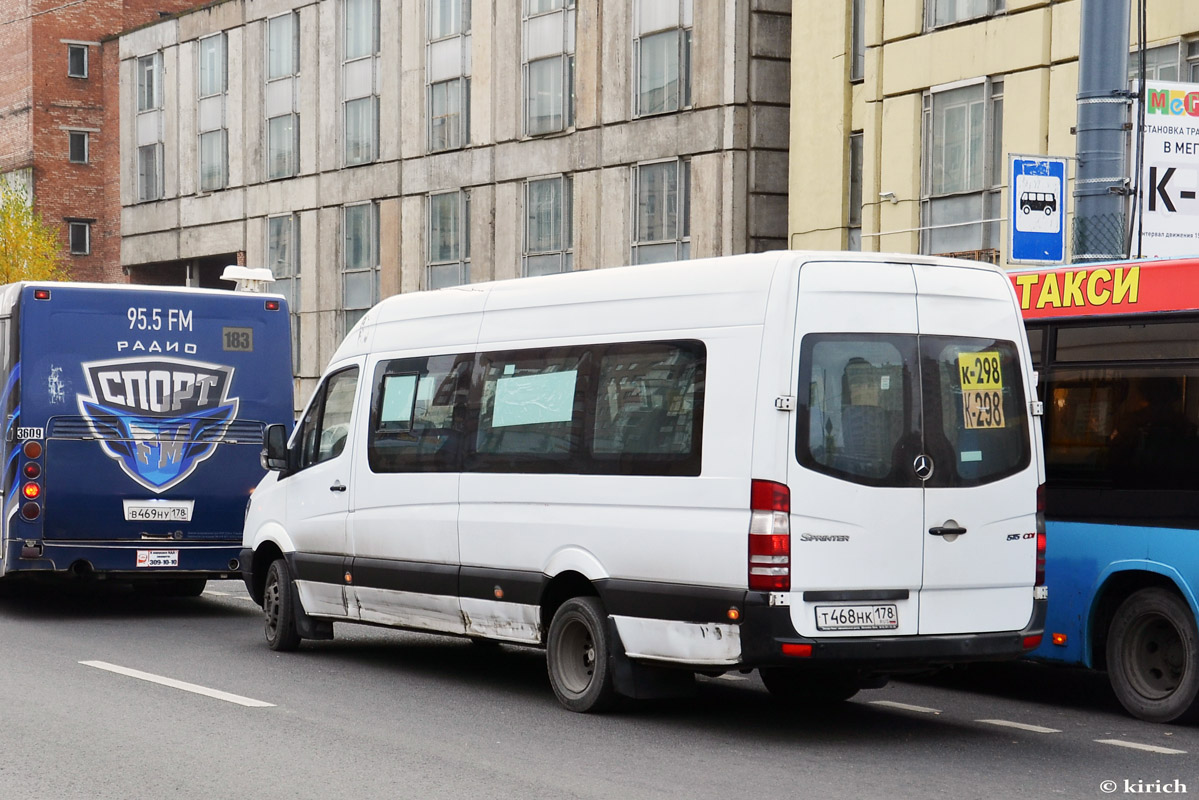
1101	181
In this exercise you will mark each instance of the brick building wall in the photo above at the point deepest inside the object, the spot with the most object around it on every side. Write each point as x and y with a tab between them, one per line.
40	104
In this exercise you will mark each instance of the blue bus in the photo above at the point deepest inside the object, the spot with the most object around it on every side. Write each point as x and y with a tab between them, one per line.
133	420
1117	350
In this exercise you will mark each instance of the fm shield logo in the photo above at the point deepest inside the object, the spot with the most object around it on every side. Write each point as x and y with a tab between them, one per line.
158	418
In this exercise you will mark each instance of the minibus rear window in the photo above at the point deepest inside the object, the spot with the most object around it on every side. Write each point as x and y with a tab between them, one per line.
868	408
856	406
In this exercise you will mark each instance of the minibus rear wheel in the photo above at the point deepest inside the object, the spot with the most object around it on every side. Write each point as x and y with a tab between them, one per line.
281	631
1153	656
577	655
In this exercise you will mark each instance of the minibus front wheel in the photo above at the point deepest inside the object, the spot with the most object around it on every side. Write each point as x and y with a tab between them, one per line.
281	633
578	651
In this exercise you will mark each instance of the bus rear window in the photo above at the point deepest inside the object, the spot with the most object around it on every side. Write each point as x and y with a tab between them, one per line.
1127	342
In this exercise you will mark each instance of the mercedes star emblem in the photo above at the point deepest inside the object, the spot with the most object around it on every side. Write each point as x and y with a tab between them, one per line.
923	466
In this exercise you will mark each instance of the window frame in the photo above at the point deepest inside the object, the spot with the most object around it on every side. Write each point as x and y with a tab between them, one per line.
72	49
149	81
461	258
565	234
288	284
990	167
682	212
993	8
351	315
85	226
316	414
145	193
202	66
85	138
683	59
565	59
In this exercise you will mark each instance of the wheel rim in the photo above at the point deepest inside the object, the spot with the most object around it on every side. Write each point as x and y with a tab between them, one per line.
576	656
270	604
1155	657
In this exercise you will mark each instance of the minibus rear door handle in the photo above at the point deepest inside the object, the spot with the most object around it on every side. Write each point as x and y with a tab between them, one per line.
950	528
337	486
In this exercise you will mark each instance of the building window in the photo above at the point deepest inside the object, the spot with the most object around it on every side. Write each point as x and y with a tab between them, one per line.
857	40
947	12
81	237
449	240
361	127
214	172
360	261
210	112
282	47
149	87
1161	63
855	191
963	157
77	60
447	74
359	70
549	66
149	172
212	65
662	213
282	256
662	53
548	226
78	146
282	119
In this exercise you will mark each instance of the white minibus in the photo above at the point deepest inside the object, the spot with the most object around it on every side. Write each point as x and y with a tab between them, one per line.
824	466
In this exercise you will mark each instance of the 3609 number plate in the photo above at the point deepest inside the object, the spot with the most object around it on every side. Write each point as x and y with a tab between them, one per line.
857	618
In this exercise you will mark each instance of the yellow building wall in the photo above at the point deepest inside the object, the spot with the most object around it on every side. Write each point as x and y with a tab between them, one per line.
1033	47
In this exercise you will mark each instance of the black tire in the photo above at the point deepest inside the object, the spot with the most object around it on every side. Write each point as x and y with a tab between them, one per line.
577	656
1153	657
281	634
1048	210
1026	209
797	687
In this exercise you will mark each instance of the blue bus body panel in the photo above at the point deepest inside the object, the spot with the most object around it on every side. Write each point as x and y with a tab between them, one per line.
1082	557
143	396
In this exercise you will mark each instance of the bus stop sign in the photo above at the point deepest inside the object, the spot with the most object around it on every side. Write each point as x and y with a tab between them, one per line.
1037	210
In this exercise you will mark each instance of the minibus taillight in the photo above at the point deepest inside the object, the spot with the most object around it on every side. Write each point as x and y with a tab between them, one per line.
1040	535
769	537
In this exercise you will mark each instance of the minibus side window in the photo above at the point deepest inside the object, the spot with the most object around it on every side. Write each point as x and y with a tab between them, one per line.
530	407
649	409
418	409
323	431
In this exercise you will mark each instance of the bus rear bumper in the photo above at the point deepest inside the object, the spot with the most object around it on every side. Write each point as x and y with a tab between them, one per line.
125	559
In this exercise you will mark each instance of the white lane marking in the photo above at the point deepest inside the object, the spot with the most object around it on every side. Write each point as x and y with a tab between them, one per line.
187	687
727	677
1003	723
1152	748
905	706
215	593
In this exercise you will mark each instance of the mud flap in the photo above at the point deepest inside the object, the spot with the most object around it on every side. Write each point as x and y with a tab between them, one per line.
639	682
306	626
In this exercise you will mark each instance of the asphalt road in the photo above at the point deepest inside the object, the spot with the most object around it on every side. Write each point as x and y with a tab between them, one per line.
387	714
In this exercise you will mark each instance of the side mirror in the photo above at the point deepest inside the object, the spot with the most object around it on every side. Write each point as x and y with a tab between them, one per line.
274	451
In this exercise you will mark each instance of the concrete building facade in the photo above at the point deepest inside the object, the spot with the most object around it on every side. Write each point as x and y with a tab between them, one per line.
362	148
58	133
905	113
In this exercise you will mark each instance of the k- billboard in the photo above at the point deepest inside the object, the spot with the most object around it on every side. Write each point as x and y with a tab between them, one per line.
1168	207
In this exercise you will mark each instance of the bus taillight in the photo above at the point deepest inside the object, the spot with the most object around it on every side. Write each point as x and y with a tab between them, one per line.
31	491
32	449
770	537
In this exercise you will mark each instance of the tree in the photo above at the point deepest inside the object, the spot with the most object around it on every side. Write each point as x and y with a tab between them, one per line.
30	248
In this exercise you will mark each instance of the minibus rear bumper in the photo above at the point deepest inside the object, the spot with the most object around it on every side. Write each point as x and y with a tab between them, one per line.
769	639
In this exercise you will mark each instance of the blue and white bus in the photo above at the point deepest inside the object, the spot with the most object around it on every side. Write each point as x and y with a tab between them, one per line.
1117	349
133	420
